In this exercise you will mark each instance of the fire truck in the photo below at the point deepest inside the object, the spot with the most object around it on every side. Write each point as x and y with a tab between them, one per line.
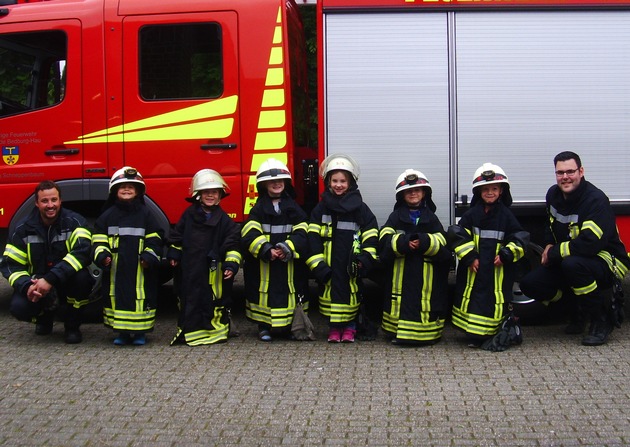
90	86
445	85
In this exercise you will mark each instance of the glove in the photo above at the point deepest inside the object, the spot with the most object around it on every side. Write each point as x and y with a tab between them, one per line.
506	255
288	254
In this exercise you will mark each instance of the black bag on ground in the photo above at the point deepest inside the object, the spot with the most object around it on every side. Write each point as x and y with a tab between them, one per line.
510	334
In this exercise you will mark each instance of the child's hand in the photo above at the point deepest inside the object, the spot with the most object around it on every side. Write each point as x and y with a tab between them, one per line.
474	266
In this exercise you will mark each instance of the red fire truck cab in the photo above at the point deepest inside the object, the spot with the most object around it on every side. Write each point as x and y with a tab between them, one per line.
89	86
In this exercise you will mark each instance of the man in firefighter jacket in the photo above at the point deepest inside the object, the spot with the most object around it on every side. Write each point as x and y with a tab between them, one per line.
45	262
583	255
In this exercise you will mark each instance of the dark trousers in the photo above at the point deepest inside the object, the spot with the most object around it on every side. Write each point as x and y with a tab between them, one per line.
544	282
79	287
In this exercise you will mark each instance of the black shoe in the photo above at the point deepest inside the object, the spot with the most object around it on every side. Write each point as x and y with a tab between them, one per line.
599	332
43	328
73	336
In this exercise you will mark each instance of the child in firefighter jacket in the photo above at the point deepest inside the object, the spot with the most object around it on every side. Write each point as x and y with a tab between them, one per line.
487	241
274	241
412	249
204	248
343	238
127	244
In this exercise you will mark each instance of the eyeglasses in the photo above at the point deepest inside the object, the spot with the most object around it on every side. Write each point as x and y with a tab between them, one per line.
569	172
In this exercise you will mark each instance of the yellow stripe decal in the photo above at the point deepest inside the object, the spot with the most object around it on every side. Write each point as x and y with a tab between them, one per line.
176	125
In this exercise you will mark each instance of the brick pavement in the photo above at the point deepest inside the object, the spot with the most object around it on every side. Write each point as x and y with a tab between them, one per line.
551	391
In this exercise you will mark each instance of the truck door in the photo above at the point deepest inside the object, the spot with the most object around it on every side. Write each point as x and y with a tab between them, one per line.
180	89
40	106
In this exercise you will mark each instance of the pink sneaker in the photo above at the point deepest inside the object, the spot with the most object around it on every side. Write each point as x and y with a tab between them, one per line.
348	335
334	335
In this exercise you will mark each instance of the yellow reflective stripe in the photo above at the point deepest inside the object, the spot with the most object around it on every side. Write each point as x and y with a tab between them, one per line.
365	235
394	244
19	256
591	225
314	228
73	261
100	249
15	276
233	256
302	226
585	290
385	231
463	249
257	244
252	225
100	239
314	260
564	249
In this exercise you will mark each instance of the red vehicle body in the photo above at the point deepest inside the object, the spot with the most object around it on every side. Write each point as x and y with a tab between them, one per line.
89	86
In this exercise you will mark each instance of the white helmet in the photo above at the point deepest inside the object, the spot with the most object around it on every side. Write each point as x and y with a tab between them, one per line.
207	179
127	174
488	174
341	162
272	169
412	178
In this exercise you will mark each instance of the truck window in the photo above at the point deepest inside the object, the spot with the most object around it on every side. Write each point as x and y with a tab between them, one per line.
181	61
32	71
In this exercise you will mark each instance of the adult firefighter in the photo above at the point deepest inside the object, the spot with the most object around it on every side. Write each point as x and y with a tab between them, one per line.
204	246
45	262
343	239
583	255
487	241
412	248
274	240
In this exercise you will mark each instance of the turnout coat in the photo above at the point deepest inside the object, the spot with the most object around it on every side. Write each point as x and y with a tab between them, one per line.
482	298
584	225
272	287
416	287
204	245
342	232
55	253
127	232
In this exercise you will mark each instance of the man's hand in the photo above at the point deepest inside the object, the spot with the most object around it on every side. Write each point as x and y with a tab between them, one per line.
38	289
474	266
544	260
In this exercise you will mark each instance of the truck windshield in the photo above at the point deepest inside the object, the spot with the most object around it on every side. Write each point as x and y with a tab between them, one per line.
32	71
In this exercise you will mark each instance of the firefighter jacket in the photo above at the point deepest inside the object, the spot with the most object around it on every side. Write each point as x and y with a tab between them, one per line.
272	287
481	298
416	289
584	225
342	233
204	245
55	253
128	233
